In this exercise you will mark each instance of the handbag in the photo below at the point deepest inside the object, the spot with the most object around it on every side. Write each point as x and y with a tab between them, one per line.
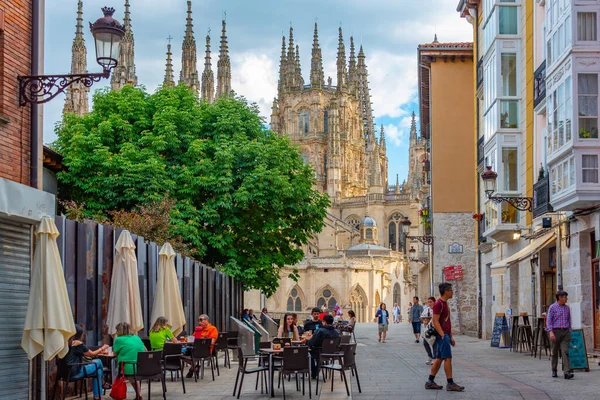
430	330
119	386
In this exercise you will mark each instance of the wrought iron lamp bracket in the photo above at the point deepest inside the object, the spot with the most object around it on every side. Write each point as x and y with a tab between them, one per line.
427	240
40	89
520	203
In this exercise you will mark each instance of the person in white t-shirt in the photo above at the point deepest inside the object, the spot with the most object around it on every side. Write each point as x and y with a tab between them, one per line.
426	316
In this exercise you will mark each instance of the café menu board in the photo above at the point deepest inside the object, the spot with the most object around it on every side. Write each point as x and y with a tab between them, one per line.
500	328
577	351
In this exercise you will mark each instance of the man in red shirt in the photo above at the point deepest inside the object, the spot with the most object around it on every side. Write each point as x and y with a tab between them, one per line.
444	341
206	331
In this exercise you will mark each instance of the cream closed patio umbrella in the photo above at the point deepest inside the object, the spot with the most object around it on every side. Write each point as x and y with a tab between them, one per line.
49	321
167	298
124	304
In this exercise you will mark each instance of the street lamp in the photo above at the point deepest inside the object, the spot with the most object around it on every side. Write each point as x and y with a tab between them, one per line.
108	33
489	184
427	240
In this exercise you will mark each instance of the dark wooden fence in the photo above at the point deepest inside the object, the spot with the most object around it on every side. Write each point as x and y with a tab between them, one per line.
87	250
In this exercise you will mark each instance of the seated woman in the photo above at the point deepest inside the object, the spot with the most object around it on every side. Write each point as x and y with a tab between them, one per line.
126	347
161	333
351	321
77	350
288	328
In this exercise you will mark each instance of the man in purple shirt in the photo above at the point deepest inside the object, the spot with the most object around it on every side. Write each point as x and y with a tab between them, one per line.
558	324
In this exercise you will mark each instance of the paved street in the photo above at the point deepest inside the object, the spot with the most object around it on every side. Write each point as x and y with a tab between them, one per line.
397	370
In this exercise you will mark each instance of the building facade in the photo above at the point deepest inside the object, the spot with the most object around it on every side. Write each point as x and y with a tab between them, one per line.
538	130
22	202
446	72
360	258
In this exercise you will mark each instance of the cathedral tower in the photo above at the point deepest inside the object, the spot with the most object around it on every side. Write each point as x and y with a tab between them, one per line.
208	78
189	69
76	100
223	66
124	72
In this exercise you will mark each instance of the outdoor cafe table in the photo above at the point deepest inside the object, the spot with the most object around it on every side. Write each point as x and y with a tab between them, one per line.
109	360
271	353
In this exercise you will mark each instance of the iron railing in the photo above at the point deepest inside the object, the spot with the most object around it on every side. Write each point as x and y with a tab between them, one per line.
539	84
541	197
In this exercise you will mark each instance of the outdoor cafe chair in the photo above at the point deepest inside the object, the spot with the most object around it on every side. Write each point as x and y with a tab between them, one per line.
172	361
222	346
295	361
348	363
330	350
148	367
345	339
63	373
200	353
243	370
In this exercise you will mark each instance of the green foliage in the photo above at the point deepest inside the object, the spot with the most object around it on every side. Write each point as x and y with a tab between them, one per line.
244	199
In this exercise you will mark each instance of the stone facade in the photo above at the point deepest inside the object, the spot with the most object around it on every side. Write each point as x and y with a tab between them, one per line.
334	129
457	229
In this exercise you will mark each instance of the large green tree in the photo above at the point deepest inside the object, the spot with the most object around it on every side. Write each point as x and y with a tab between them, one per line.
244	199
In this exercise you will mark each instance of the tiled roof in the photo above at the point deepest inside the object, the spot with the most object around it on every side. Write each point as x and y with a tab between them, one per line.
452	45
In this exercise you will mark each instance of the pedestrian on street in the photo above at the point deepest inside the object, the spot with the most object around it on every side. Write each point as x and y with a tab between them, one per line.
415	317
382	317
396	312
444	341
425	319
558	324
408	313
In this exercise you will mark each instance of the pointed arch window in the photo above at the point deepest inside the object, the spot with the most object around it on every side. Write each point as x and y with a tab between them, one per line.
358	303
326	122
326	299
294	303
397	295
303	122
396	238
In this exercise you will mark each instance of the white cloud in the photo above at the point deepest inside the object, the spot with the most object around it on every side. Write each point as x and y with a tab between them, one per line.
255	77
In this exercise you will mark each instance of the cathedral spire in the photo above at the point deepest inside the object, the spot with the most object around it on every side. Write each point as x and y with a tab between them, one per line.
364	97
342	75
382	140
189	69
298	78
76	100
352	71
281	85
169	80
223	66
208	78
317	77
397	187
291	72
413	129
124	72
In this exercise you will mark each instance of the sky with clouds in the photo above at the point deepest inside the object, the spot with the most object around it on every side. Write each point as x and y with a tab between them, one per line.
389	30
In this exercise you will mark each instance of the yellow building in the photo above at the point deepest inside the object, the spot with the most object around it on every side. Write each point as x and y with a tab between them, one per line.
446	73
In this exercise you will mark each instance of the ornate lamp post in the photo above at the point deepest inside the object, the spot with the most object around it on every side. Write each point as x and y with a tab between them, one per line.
108	33
427	240
489	184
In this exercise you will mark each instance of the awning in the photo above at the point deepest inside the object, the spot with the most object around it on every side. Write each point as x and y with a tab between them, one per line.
534	246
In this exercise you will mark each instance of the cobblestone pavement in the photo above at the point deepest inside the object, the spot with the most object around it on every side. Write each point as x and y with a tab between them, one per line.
397	370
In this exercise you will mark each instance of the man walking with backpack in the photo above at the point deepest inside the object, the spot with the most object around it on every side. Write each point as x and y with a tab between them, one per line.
444	341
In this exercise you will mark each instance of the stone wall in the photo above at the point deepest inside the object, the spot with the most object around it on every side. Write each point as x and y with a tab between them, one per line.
450	228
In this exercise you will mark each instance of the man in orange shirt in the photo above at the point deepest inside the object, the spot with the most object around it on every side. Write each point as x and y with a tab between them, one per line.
207	331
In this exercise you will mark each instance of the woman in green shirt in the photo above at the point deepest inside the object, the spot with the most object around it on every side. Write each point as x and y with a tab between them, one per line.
126	347
160	333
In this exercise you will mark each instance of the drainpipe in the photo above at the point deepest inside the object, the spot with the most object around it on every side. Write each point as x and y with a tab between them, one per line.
559	280
36	59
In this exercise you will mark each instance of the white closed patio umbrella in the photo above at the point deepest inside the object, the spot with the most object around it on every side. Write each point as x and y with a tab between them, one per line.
167	299
49	321
124	304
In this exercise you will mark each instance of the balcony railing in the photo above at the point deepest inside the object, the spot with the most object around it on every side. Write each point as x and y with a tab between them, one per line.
541	197
479	72
480	150
539	84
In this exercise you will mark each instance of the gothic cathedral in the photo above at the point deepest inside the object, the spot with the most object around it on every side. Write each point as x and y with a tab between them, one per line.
360	259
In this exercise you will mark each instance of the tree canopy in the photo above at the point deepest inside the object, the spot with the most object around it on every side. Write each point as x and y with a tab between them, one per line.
244	199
